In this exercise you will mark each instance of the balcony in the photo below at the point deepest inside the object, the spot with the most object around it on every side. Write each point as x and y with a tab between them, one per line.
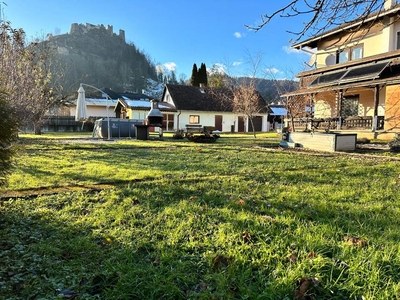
349	123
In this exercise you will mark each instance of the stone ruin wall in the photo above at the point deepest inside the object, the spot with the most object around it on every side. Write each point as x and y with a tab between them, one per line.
81	29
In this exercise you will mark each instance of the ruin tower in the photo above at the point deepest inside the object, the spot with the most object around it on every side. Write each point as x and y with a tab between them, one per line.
74	28
122	34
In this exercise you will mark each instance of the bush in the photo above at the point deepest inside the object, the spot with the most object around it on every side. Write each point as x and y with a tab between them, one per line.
363	141
394	144
8	135
178	135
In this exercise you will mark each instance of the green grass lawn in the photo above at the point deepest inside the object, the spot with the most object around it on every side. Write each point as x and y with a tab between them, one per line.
171	219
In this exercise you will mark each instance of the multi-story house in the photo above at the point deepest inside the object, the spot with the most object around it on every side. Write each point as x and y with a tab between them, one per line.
355	79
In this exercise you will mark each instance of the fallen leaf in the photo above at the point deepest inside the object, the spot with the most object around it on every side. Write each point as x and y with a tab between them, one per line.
269	218
221	262
304	285
241	202
156	262
311	255
355	241
293	258
246	236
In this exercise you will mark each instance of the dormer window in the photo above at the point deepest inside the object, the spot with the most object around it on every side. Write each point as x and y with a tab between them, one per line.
351	53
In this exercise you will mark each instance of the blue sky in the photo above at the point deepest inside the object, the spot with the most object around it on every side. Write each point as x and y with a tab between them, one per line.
176	33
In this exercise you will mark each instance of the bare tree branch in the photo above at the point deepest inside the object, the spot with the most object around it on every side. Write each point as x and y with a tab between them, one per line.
324	14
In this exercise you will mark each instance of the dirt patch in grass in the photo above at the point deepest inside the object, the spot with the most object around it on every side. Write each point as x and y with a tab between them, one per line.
33	193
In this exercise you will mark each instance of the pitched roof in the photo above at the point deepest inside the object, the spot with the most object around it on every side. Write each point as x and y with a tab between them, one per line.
278	110
373	17
144	104
187	97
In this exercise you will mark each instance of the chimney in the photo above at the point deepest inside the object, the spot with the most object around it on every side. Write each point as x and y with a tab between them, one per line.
202	86
154	117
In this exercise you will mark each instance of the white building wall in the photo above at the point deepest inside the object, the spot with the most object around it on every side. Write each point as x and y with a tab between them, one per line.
138	114
206	119
97	111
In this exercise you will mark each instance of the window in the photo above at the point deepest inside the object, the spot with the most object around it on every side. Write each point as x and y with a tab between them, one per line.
193	119
357	52
350	106
398	40
351	53
168	122
343	56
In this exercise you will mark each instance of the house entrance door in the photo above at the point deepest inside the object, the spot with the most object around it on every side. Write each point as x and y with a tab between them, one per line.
218	122
257	121
240	124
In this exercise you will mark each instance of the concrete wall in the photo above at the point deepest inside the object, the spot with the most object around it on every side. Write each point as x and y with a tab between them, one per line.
324	141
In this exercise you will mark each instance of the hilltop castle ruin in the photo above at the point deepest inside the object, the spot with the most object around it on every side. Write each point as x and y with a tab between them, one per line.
81	29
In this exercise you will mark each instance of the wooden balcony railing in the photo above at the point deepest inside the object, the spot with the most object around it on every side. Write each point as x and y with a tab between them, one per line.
349	123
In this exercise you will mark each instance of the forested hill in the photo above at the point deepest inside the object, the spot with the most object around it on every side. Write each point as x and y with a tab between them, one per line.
95	55
271	89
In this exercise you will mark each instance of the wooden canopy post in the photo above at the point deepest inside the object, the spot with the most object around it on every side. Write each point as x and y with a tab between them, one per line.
339	99
376	103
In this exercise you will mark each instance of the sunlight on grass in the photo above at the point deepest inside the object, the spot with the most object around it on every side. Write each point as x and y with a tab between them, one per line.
179	220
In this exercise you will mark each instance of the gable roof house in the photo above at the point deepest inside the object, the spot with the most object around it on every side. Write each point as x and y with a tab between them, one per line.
138	108
210	107
355	84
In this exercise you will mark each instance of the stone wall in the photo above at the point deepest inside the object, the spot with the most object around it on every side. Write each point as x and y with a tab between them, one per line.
81	29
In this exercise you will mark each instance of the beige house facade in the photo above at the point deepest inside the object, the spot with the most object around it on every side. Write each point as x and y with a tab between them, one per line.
355	80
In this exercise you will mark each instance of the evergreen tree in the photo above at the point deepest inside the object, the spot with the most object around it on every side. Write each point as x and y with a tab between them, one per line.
173	79
194	80
202	74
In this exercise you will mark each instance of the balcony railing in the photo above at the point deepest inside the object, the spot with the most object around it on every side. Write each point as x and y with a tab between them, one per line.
349	123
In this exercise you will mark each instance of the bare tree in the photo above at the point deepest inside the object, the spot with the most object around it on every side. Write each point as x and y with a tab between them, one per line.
247	101
240	93
25	73
295	105
323	14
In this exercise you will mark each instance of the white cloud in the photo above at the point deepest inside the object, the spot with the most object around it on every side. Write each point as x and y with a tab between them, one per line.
237	63
160	69
238	35
272	70
218	68
170	66
290	50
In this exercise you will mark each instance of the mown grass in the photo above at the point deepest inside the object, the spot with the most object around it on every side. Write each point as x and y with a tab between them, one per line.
178	220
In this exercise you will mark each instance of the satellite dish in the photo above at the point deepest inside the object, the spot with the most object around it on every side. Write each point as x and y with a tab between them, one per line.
313	60
330	60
